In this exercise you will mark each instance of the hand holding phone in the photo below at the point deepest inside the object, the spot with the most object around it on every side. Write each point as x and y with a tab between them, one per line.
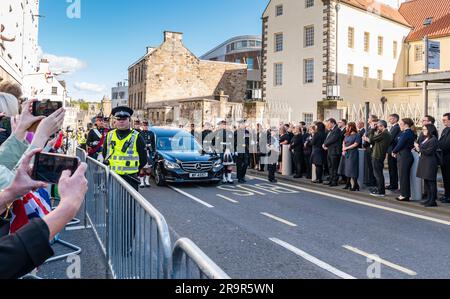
46	108
49	167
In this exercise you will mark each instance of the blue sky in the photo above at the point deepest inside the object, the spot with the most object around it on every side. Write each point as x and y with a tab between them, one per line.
111	34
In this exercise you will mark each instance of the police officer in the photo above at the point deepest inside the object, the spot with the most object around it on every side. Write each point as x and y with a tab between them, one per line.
96	139
81	138
147	136
242	150
125	151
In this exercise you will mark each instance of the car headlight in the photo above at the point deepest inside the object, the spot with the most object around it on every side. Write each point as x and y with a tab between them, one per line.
171	165
217	164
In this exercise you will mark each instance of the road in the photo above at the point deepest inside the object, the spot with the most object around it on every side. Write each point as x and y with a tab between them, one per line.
262	230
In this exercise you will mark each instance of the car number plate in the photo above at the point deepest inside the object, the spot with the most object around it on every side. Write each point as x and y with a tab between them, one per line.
198	175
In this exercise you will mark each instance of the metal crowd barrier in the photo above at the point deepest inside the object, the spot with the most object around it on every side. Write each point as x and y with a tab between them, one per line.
139	239
189	262
133	235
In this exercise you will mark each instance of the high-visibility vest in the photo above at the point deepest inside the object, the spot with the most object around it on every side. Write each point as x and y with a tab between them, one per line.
81	139
121	162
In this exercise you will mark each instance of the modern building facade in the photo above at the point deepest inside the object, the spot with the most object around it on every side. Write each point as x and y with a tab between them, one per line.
242	49
318	51
170	85
119	95
19	25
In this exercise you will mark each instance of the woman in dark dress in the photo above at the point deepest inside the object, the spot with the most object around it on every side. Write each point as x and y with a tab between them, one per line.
318	154
405	157
428	164
349	166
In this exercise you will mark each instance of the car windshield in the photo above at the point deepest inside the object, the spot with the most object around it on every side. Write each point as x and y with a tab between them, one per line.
184	143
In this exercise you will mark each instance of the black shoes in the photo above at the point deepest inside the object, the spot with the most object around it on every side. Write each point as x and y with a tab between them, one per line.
273	180
445	199
242	181
298	176
318	182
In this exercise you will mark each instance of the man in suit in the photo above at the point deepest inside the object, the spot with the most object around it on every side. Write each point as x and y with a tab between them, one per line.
342	124
333	145
392	162
444	146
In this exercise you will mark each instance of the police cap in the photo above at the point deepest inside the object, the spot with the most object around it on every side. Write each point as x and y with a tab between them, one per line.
122	112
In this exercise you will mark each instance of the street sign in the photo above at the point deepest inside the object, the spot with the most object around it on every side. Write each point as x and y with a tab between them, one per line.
434	55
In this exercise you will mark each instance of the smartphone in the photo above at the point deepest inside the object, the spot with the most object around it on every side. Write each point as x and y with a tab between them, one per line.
46	108
49	167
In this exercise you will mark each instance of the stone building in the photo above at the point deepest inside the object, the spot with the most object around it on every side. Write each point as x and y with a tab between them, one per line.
170	85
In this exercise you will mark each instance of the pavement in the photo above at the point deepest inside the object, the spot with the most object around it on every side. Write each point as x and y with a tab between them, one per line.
293	230
91	260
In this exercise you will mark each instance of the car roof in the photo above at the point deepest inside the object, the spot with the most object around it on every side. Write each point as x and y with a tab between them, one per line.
168	132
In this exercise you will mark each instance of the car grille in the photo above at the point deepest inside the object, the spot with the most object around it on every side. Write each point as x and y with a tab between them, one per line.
197	166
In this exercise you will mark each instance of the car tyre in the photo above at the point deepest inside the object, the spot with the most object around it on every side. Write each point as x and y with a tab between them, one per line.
159	178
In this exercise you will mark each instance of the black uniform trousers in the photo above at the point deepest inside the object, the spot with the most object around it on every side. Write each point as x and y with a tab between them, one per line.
393	172
272	169
333	164
430	189
131	215
298	162
242	162
405	161
378	168
369	176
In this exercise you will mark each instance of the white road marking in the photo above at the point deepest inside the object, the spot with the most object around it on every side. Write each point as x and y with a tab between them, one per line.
312	259
251	190
191	197
227	198
418	216
279	219
380	260
72	228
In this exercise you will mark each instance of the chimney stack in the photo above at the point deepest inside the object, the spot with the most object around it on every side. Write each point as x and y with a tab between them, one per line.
173	36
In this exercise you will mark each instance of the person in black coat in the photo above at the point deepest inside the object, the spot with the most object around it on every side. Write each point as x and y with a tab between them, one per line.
307	151
444	149
405	157
369	177
296	147
318	154
395	132
428	164
242	151
333	144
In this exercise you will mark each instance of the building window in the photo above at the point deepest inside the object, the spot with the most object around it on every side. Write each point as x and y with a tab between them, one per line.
308	118
237	60
380	45
250	63
418	52
278	74
380	79
279	10
366	77
278	42
54	90
309	3
366	41
351	37
395	49
308	72
350	74
309	36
